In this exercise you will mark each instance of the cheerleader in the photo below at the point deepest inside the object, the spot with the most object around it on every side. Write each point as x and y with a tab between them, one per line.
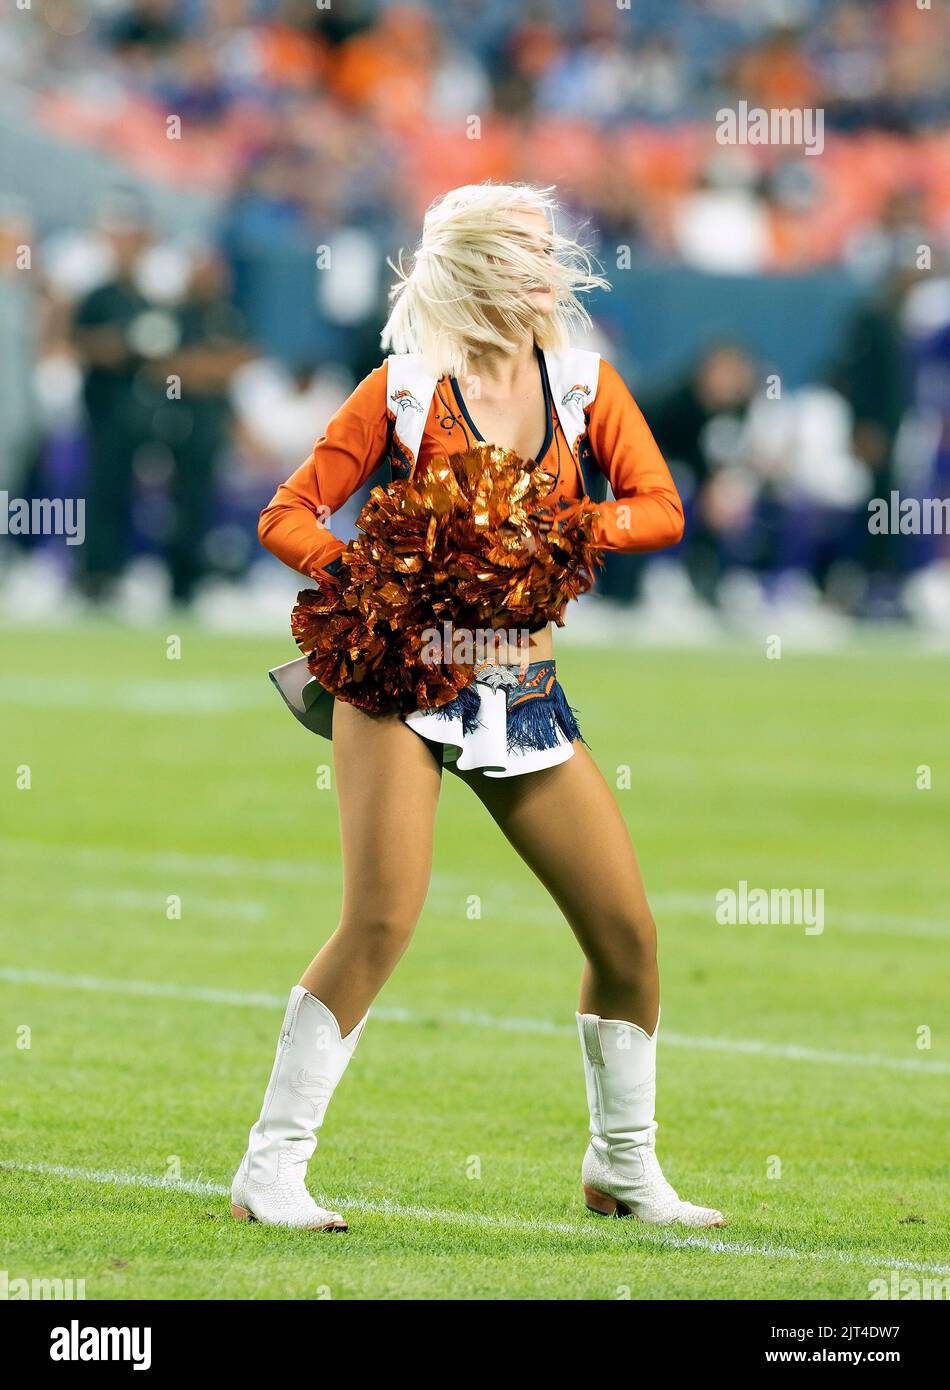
478	336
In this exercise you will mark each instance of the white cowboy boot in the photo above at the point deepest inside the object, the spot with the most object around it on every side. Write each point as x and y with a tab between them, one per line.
311	1057
621	1173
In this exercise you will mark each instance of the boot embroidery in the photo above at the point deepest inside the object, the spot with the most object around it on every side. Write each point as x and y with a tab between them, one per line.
315	1090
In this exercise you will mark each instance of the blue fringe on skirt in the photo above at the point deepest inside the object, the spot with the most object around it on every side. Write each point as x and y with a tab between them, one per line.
533	718
535	723
465	706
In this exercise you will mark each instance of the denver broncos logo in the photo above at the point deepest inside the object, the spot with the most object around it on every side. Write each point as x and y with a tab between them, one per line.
405	400
578	392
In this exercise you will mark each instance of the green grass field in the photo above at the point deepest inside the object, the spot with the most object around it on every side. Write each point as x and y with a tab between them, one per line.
793	1092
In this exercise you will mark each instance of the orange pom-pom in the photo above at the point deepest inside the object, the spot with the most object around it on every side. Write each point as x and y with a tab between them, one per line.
471	541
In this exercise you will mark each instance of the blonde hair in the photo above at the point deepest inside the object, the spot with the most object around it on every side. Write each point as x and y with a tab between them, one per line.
469	288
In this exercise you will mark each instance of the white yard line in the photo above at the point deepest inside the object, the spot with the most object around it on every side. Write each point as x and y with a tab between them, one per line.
146	696
837	919
230	866
467	1018
499	895
154	905
660	1238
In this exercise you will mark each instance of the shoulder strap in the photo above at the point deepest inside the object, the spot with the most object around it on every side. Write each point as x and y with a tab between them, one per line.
409	392
573	376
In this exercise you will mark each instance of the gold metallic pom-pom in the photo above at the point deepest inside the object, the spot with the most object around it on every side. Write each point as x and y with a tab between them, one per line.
473	541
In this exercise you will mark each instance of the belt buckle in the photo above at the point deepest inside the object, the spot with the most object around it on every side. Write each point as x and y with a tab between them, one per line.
494	676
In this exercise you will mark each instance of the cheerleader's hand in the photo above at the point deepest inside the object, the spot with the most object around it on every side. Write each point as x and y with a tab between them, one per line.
329	579
528	541
558	521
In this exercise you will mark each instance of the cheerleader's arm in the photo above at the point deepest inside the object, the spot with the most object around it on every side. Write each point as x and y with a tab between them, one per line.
647	513
295	523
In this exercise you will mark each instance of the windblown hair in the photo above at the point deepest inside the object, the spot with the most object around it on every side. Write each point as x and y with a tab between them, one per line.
469	286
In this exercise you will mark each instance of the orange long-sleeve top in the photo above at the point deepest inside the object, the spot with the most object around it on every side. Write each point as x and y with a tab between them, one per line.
646	513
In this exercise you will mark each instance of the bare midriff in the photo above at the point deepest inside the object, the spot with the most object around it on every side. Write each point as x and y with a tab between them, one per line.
514	647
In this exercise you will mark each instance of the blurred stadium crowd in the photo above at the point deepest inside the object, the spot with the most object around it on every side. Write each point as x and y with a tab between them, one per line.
210	191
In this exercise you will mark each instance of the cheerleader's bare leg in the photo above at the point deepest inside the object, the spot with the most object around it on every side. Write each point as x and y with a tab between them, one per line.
567	827
387	783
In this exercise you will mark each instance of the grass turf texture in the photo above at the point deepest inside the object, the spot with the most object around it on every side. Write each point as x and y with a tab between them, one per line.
458	1144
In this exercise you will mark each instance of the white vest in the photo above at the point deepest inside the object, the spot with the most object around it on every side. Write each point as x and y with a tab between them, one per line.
409	390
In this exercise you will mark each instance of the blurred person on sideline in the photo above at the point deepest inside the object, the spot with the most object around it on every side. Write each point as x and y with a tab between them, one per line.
112	328
210	344
919	575
812	507
278	409
873	367
698	423
19	314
